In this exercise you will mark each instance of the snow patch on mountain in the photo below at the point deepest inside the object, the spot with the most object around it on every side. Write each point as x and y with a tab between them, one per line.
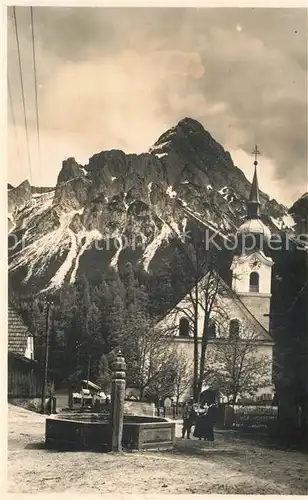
36	207
288	221
184	226
174	226
118	243
126	205
64	269
223	190
87	237
40	251
157	147
276	222
285	222
170	192
227	194
152	248
11	224
183	202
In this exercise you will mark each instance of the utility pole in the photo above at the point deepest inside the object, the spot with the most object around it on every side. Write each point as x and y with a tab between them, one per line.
78	345
89	366
45	381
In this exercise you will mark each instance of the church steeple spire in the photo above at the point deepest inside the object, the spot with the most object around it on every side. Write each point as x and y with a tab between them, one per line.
253	205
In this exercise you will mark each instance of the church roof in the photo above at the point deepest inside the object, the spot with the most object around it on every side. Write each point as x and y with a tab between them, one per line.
254	196
257	227
233	296
253	225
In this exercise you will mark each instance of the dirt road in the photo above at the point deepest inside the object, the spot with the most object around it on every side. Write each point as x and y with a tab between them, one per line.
230	465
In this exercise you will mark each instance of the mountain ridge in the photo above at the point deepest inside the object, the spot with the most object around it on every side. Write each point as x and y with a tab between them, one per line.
122	198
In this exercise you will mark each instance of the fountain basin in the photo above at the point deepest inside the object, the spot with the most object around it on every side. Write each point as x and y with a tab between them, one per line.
93	431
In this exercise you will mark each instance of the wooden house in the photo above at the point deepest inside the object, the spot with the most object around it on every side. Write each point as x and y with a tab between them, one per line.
25	375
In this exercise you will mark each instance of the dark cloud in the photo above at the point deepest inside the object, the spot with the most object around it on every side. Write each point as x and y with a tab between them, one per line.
118	77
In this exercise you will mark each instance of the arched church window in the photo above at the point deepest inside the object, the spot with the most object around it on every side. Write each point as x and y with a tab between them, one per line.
184	327
212	329
234	328
254	282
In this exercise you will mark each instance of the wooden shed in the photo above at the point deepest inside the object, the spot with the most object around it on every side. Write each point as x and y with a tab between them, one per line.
25	375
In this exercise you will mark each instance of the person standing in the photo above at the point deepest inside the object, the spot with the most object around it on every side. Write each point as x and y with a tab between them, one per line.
200	422
209	422
189	416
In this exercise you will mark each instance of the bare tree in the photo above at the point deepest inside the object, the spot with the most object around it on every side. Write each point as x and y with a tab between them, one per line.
163	377
238	368
147	354
183	380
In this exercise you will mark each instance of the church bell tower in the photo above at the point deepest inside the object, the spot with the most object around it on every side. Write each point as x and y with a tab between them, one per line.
251	267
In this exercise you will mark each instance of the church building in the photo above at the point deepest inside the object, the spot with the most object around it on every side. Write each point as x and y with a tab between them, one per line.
240	311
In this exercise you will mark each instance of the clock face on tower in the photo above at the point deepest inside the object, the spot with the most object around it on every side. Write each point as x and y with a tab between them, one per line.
254	263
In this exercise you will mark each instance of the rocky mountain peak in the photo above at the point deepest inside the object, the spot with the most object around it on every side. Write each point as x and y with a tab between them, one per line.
149	197
70	170
299	212
72	186
193	130
19	196
190	133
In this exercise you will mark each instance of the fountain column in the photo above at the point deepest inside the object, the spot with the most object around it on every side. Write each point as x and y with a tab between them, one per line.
117	401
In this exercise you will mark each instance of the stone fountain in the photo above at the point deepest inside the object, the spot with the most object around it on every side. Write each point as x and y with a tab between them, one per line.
110	429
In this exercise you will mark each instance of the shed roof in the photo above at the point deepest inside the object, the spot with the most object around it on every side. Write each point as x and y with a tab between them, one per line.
91	384
18	333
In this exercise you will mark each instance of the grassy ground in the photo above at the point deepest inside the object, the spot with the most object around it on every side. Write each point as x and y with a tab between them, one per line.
231	465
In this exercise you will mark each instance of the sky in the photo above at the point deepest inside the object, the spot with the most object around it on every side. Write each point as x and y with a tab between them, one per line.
117	78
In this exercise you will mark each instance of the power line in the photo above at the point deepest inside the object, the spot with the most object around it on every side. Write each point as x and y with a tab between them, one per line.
297	296
22	93
13	118
35	90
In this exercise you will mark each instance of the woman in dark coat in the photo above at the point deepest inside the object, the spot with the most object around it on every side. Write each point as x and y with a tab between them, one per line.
200	424
209	422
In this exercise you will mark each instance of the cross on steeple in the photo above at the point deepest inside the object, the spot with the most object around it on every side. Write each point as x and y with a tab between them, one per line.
256	152
254	198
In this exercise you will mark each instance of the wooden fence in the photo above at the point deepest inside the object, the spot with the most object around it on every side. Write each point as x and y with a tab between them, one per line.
254	416
24	379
